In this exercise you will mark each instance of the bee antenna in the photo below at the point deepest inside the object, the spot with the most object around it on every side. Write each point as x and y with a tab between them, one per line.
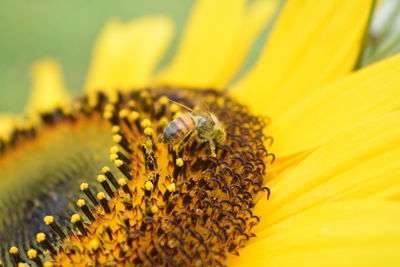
181	105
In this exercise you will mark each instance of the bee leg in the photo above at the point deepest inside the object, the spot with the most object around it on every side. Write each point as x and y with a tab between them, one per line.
160	139
200	139
212	147
185	141
177	148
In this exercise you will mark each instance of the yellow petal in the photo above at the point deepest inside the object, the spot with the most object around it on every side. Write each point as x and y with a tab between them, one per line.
7	124
351	233
358	163
48	91
376	177
216	41
310	45
125	54
257	16
337	106
282	164
391	193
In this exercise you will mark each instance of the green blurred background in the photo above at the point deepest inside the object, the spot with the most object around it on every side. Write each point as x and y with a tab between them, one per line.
65	30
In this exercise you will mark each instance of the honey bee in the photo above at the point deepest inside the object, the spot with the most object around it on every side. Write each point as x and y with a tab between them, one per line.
201	126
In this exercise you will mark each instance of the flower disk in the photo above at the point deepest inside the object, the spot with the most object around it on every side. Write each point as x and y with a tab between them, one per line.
163	204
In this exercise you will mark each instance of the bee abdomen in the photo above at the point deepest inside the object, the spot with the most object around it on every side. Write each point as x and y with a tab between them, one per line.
178	128
171	133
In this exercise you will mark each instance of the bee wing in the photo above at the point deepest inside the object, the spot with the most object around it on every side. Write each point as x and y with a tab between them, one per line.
203	109
206	112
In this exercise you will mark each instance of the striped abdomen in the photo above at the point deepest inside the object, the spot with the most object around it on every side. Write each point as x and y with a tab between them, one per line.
177	129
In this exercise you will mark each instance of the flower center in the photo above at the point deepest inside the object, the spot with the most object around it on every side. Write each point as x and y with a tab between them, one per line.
40	172
186	168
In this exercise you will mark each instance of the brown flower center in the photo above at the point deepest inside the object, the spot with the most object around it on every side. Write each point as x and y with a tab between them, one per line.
178	201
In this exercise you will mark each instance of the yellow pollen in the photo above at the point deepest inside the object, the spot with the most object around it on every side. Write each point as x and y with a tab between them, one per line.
131	103
40	237
105	169
75	218
145	123
123	113
101	195
171	188
154	209
174	107
122	182
101	178
179	162
118	163
113	157
22	264
134	115
48	264
84	186
172	243
144	94
177	115
114	149
32	253
148	131
48	219
117	138
13	250
148	186
94	244
81	202
109	107
163	122
163	100
115	129
107	114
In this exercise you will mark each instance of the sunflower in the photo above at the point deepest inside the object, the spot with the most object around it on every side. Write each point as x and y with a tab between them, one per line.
294	164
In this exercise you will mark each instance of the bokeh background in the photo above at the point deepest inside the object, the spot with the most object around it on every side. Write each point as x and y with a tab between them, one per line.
67	29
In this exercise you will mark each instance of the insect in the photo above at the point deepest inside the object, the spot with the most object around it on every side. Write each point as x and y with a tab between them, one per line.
201	126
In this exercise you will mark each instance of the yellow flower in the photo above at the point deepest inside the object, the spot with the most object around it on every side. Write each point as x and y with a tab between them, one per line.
334	183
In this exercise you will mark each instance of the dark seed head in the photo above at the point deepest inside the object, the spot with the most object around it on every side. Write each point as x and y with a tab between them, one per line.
173	204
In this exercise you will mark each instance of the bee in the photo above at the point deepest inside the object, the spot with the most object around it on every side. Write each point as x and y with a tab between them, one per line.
201	126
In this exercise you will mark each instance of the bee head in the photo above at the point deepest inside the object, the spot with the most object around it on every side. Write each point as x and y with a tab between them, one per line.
219	132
